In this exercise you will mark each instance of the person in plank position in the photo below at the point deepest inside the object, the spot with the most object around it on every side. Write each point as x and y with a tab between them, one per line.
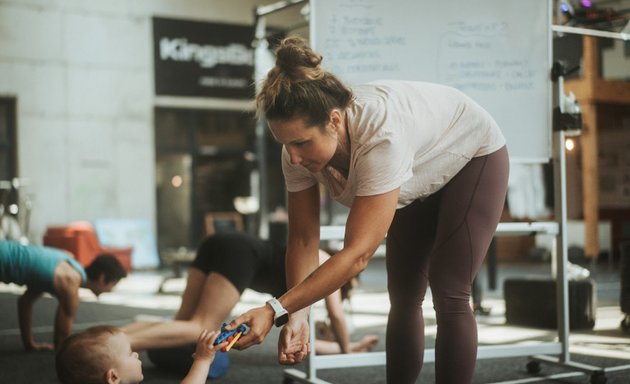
44	269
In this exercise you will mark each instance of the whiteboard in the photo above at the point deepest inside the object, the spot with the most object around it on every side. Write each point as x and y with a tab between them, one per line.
496	51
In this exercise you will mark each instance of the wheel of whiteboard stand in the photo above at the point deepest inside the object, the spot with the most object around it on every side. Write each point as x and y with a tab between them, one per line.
533	367
598	378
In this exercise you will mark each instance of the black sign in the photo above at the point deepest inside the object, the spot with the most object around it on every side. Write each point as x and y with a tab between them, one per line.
195	58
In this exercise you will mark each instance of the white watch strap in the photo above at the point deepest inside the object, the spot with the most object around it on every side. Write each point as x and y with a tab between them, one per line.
277	307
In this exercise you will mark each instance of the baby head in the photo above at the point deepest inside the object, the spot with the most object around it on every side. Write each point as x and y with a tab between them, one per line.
98	355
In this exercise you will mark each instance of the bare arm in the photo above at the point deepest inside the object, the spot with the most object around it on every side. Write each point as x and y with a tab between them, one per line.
203	357
367	225
25	318
334	308
303	238
303	256
368	222
68	298
337	317
301	259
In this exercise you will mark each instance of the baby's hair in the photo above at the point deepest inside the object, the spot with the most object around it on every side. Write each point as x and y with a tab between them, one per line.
299	87
84	358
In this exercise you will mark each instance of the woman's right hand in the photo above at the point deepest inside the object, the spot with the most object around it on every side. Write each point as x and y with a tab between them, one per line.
259	320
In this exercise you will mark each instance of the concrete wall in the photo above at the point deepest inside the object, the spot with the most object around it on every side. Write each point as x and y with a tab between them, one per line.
82	73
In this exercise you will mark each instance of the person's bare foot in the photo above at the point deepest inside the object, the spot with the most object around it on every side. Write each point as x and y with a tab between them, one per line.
366	344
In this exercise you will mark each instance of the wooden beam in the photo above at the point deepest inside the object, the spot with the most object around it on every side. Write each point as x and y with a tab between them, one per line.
599	91
611	91
590	173
590	180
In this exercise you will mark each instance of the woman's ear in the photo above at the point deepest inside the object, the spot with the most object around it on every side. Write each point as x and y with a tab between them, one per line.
336	118
112	377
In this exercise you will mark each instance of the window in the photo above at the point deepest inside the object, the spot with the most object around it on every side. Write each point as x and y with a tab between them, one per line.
203	161
9	225
8	145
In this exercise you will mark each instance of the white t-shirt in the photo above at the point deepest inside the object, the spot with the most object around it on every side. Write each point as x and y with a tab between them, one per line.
411	135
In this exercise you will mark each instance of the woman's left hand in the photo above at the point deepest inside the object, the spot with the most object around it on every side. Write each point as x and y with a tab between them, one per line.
293	344
259	320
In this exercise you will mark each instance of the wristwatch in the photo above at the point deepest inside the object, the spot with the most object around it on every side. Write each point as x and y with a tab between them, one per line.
281	316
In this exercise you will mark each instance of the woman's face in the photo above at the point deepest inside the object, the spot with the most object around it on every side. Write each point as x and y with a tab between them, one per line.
308	146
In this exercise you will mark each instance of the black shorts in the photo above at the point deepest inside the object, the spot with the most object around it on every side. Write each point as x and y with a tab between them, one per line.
246	261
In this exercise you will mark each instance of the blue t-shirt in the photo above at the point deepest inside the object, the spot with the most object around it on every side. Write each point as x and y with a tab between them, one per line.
33	266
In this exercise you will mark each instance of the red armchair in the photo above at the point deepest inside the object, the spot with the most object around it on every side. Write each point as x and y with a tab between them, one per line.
80	239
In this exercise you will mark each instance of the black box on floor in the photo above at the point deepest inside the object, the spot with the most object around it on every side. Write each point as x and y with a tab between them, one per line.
532	303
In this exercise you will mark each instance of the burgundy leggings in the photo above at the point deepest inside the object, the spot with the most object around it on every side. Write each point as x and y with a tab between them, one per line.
442	241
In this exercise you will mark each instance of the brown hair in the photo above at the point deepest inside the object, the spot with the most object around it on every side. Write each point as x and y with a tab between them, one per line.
348	287
84	358
108	265
298	87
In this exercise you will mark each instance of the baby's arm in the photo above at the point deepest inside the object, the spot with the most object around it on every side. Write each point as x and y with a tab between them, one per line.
203	357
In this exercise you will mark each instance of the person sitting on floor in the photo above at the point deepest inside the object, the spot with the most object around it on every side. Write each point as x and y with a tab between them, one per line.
44	269
226	264
103	355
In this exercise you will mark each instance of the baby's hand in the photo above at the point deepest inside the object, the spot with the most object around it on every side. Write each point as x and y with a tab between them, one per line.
205	348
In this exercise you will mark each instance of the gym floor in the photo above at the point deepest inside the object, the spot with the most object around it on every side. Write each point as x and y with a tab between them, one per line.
605	346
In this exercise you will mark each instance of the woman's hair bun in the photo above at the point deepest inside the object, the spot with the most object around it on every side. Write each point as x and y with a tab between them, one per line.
293	53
